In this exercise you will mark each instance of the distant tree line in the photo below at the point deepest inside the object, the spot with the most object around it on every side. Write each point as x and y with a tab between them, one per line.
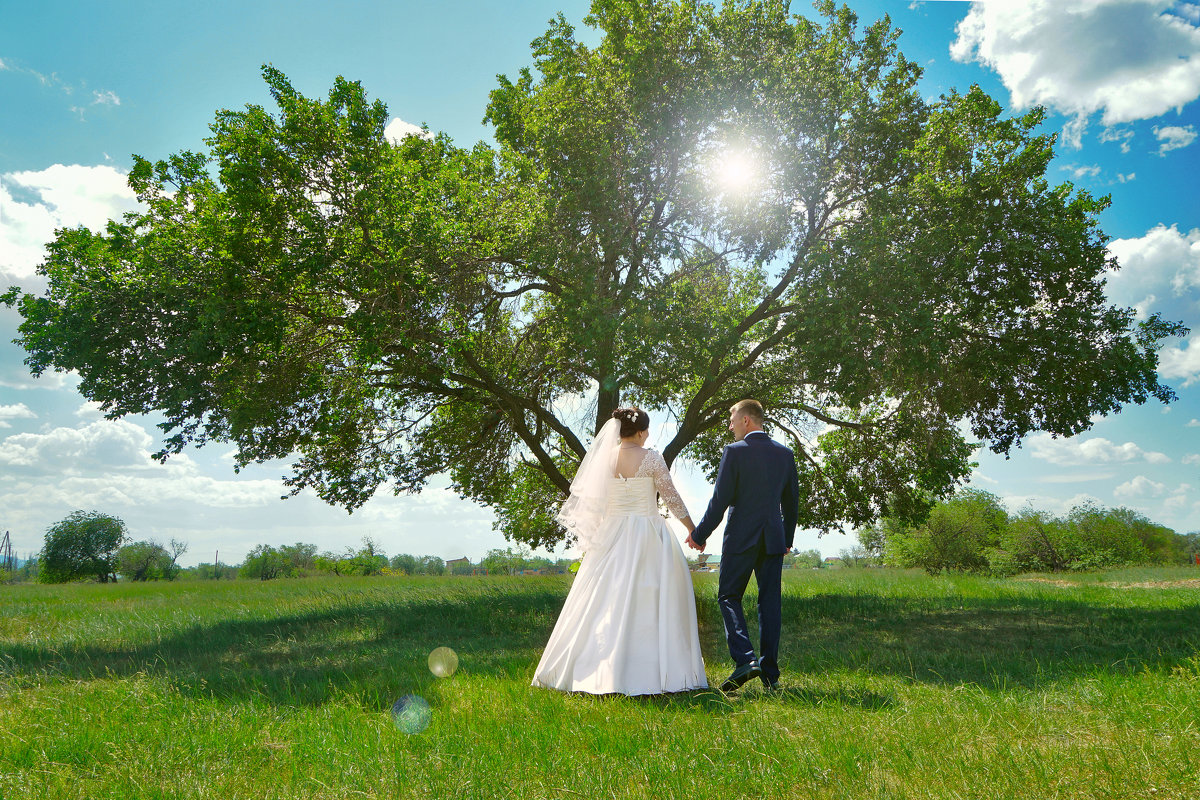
96	546
972	532
266	562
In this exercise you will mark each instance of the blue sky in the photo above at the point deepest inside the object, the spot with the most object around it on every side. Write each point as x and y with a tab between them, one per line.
85	85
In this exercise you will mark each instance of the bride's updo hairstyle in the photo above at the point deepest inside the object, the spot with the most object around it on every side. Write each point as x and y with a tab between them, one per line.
632	420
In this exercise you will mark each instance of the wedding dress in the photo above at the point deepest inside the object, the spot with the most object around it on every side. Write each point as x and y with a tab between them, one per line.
629	621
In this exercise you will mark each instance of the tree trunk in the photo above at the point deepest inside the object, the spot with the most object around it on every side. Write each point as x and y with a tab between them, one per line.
607	400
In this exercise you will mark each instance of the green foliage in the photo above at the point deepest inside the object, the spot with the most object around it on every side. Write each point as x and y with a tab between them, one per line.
1190	546
431	565
516	562
392	311
506	561
804	559
405	563
210	572
957	535
265	563
28	571
856	555
971	532
83	545
408	564
146	561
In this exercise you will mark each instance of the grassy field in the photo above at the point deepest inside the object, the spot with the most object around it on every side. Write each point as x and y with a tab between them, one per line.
897	686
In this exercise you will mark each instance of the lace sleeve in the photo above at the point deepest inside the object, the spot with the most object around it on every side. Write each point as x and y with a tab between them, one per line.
654	466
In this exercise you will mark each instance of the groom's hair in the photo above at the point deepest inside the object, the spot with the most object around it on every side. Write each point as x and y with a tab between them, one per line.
749	408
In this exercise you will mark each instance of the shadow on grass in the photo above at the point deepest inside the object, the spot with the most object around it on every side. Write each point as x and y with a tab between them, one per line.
1014	641
374	647
366	647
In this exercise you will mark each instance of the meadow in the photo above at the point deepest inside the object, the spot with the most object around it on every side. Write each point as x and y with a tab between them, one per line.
897	685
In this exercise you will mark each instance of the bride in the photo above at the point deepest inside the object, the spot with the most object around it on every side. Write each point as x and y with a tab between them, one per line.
629	622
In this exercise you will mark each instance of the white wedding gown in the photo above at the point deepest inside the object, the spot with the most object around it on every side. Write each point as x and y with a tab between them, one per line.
629	622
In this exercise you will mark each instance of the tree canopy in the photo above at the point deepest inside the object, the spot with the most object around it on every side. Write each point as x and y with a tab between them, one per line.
150	560
83	545
882	272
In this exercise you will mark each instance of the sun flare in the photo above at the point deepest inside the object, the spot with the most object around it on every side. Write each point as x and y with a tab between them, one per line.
735	171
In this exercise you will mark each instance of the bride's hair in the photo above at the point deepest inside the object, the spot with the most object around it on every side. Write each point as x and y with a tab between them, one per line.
632	420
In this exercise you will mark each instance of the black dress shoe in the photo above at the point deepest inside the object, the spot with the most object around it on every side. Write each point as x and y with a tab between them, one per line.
771	687
740	675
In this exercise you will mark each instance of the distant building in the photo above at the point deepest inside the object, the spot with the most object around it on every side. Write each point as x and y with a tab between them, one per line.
706	563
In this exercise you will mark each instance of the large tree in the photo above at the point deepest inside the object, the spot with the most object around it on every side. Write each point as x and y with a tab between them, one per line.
709	204
83	545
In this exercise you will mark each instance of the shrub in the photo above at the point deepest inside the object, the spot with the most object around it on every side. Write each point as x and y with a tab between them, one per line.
958	535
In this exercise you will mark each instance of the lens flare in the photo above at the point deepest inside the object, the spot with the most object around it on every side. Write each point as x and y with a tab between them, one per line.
443	662
411	714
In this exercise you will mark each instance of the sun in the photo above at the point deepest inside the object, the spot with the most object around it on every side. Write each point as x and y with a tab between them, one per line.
735	172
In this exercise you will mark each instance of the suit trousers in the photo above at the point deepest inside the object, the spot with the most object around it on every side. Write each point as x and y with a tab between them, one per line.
731	588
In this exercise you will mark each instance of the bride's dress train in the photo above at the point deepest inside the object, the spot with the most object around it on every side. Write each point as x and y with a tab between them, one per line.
629	622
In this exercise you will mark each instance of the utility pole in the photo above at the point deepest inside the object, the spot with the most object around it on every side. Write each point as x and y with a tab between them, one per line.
8	560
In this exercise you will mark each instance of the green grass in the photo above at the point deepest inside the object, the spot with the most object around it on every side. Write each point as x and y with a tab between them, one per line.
898	686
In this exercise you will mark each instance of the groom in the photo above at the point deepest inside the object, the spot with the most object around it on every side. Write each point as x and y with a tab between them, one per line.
758	478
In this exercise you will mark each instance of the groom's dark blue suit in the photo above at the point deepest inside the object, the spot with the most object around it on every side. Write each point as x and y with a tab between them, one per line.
758	479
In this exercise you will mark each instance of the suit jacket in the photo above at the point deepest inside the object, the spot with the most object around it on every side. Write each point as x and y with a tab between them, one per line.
758	479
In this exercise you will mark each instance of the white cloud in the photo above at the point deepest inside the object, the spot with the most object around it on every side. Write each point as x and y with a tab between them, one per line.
34	203
1141	486
108	461
15	411
1190	11
1164	258
171	486
16	376
1078	172
1125	58
1055	506
1191	458
106	98
90	409
1179	498
1073	131
1195	423
1142	309
1122	135
1182	361
1083	477
1126	178
1173	137
98	445
1076	452
397	129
